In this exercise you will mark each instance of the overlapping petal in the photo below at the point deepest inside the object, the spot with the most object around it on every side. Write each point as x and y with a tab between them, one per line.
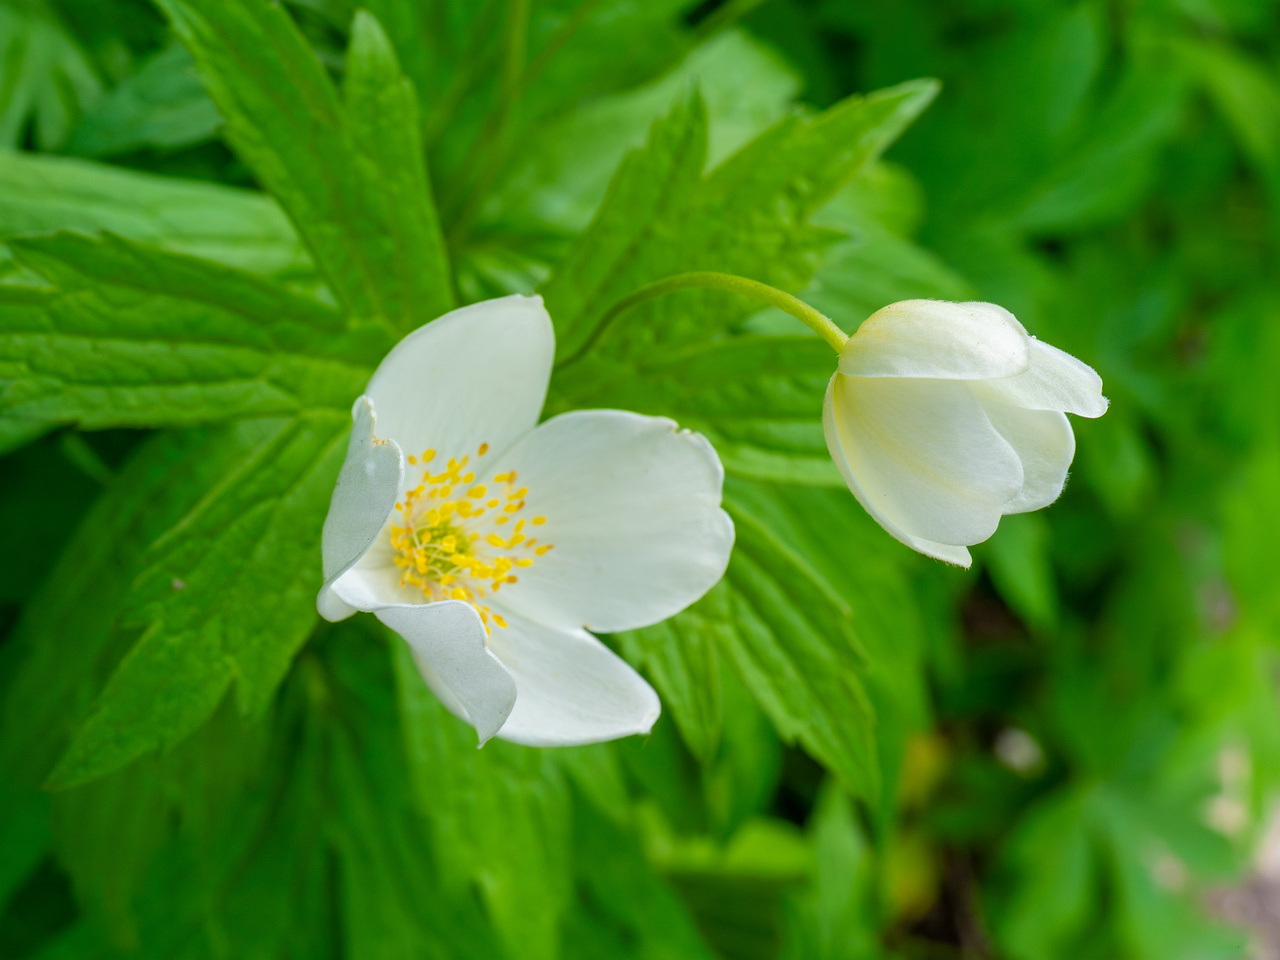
449	645
476	375
1055	381
572	688
632	506
933	339
368	483
1043	442
924	456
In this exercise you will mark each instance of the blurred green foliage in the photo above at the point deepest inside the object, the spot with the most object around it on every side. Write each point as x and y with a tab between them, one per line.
219	214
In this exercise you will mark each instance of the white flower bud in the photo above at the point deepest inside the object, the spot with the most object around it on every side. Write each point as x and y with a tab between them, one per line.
943	417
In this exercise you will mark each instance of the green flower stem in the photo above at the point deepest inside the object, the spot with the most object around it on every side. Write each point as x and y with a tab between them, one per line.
817	322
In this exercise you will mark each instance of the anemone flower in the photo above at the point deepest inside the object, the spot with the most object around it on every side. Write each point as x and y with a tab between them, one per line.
493	544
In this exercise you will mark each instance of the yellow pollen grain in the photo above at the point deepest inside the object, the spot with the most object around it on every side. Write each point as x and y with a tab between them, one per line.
543	549
412	458
539	521
484	448
524	562
511	507
478	492
493	503
499	621
458	594
428	456
502	477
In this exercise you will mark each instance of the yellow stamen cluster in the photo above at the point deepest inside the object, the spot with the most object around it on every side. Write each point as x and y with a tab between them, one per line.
462	540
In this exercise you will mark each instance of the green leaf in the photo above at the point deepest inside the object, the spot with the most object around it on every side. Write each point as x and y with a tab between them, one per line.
47	78
349	172
238	228
68	628
625	890
759	399
393	894
123	334
834	917
522	869
791	638
1017	558
227	594
161	106
1051	851
563	168
750	216
681	657
793	642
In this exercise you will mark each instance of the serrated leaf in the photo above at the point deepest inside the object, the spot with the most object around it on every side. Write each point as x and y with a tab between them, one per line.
790	637
227	594
69	626
238	228
750	216
162	106
348	171
794	645
681	657
123	334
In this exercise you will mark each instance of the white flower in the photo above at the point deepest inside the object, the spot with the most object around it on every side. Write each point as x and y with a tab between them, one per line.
492	543
943	417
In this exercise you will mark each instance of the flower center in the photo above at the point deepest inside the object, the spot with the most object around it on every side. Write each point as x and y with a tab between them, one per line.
462	540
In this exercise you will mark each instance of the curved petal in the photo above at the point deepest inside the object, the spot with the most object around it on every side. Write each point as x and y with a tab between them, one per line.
949	553
922	455
1043	441
933	339
451	650
1055	381
476	375
632	507
364	496
572	688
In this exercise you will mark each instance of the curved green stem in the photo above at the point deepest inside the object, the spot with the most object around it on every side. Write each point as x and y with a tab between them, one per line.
817	322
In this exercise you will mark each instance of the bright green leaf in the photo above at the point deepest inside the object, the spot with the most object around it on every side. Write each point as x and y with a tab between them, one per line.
348	171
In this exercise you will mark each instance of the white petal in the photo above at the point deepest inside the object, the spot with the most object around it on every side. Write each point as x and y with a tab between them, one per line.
922	457
632	507
1043	441
949	553
450	648
476	375
933	339
363	498
572	688
1056	381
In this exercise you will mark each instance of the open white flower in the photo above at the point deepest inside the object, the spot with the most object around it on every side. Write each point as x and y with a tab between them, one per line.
492	543
943	417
